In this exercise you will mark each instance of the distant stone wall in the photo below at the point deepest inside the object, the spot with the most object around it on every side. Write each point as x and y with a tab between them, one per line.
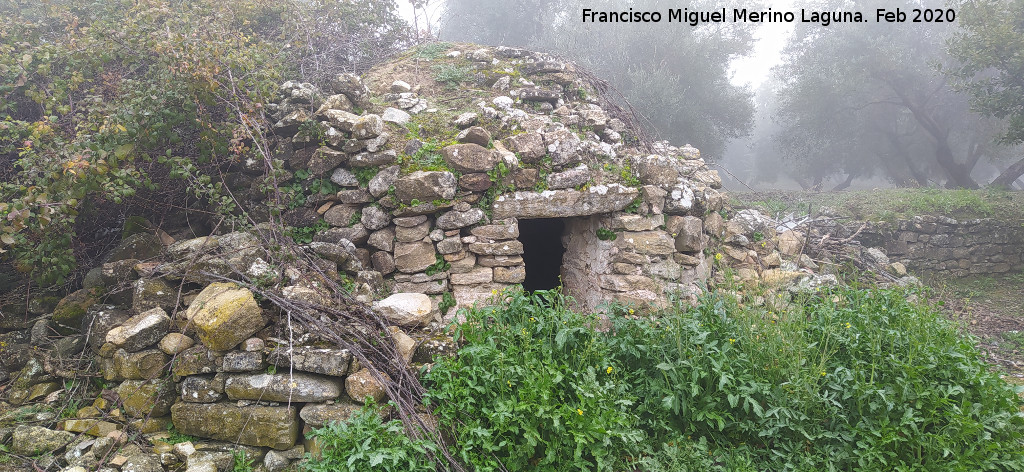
940	244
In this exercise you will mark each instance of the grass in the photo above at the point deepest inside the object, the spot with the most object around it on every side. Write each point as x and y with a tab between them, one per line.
891	204
432	50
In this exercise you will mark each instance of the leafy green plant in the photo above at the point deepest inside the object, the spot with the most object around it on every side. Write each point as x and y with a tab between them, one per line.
605	234
241	462
447	301
533	390
440	265
365	174
366	443
451	75
304	234
175	436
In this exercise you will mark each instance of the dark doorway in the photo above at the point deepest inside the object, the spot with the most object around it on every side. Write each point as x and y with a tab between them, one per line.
542	252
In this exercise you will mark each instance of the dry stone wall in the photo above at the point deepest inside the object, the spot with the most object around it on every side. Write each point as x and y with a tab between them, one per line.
940	244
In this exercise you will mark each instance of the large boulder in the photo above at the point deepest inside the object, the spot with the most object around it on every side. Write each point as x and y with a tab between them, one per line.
224	315
263	426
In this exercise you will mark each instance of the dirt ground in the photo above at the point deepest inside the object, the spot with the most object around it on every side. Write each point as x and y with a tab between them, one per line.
992	309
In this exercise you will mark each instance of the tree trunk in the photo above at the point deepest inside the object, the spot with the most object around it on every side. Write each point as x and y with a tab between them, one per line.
844	184
959	174
1006	179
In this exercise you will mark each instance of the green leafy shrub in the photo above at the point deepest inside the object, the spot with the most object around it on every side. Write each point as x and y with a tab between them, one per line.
108	99
845	380
533	390
451	75
366	443
855	380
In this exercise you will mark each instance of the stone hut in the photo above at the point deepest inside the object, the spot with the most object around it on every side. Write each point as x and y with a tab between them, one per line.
524	175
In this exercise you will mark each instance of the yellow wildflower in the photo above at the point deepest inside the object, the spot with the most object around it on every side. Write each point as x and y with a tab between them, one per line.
579	411
608	370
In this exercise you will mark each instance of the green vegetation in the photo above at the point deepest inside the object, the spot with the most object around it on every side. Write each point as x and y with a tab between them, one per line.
241	462
890	204
451	75
365	443
605	234
106	102
440	265
175	436
432	50
847	380
304	234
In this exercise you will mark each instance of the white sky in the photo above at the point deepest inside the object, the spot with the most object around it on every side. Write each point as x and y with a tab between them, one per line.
771	39
749	70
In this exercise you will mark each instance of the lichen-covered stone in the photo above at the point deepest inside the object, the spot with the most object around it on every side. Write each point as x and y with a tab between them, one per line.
173	343
326	361
147	398
325	160
242	361
140	331
474	135
469	158
510	275
71	310
100	320
414	257
480	275
570	178
202	389
406	309
564	203
362	385
197	359
34	440
153	293
317	415
648	242
141	246
263	426
142	365
375	218
460	219
426	186
501	248
224	315
690	235
282	387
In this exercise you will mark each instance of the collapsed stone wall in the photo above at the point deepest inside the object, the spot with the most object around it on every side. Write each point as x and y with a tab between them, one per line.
940	244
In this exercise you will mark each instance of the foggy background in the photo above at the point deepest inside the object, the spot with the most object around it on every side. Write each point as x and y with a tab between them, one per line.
772	105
